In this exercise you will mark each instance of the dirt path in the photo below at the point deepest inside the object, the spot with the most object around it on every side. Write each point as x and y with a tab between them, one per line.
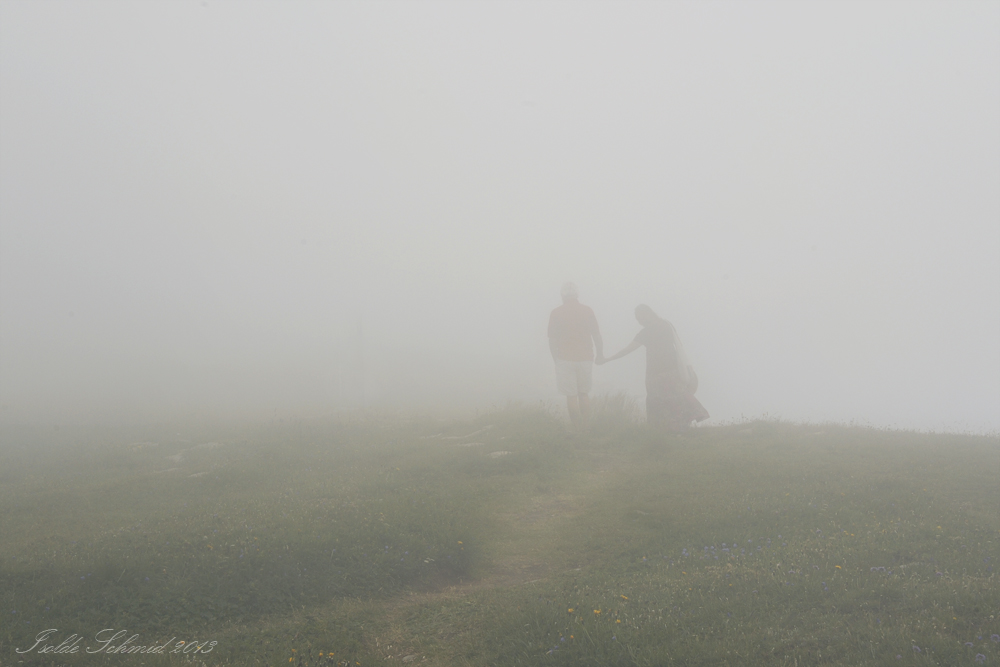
524	554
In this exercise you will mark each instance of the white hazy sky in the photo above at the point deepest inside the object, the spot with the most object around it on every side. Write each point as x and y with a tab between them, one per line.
292	208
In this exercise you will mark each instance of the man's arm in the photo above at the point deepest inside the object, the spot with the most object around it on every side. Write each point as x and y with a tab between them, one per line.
552	348
595	333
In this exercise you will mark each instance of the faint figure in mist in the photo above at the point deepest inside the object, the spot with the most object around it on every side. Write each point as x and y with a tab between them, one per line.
670	378
573	334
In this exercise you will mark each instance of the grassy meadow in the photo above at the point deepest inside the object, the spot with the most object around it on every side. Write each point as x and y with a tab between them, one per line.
502	540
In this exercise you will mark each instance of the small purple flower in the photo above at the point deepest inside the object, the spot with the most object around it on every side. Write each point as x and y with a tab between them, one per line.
980	659
969	644
917	649
995	638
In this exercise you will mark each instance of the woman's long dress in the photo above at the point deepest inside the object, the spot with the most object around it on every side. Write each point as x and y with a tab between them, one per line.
670	381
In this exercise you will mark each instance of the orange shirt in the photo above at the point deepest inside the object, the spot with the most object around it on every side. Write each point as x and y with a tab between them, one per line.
571	329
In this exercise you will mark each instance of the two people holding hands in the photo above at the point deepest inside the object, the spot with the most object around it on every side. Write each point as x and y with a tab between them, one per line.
670	379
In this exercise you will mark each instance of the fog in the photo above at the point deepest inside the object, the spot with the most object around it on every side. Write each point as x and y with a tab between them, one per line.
297	209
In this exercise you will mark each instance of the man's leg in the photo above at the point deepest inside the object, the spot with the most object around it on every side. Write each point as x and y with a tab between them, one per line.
584	371
566	384
584	401
573	407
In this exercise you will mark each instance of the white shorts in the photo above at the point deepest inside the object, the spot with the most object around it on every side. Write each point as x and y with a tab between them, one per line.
573	377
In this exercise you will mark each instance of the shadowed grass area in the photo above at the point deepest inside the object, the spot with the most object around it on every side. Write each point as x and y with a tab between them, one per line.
505	541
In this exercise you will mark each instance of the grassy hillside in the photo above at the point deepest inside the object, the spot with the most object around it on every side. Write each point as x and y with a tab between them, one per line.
502	541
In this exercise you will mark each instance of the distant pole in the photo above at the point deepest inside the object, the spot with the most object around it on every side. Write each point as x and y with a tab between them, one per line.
360	351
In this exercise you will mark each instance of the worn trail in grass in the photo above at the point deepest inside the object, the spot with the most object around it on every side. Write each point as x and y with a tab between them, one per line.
505	541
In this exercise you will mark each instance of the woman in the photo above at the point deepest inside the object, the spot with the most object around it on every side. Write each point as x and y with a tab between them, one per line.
670	379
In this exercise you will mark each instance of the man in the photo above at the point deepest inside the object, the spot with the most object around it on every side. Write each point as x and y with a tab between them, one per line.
670	379
573	334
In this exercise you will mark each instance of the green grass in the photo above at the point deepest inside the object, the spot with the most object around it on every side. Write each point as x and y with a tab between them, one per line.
371	541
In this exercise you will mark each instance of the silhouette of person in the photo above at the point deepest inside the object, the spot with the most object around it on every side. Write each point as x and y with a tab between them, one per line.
670	378
573	335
